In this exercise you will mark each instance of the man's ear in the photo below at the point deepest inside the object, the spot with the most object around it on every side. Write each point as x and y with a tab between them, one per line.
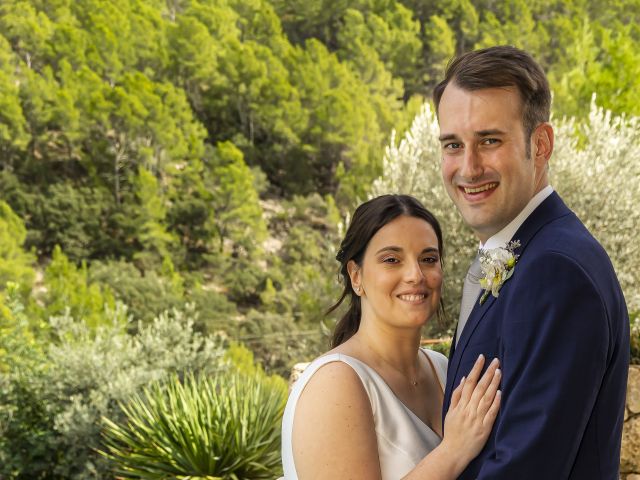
542	144
355	274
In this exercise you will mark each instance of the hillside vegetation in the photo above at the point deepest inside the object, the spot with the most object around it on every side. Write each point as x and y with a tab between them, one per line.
168	163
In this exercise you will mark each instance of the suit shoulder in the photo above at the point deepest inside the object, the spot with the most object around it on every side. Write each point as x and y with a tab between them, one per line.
569	236
552	270
567	243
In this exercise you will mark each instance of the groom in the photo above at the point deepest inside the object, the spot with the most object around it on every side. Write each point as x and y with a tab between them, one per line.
559	323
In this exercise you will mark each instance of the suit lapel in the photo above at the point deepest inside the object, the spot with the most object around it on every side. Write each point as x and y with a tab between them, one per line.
550	209
476	315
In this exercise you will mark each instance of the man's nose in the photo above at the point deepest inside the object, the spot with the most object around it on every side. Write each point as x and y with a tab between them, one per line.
471	167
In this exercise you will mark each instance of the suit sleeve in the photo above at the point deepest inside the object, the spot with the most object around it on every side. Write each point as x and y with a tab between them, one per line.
555	337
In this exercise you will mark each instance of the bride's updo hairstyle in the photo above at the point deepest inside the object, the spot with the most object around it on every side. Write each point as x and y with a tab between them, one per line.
368	218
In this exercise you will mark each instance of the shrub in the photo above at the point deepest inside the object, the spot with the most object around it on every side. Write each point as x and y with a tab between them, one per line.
16	265
240	275
587	156
146	296
71	216
279	342
301	284
226	426
303	276
69	288
19	347
215	311
50	415
597	172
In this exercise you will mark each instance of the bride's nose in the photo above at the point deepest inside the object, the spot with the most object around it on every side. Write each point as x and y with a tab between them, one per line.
413	273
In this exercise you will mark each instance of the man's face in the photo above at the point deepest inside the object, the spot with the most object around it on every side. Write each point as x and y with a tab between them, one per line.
484	157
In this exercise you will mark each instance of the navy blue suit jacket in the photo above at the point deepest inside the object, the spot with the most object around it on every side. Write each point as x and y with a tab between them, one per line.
560	328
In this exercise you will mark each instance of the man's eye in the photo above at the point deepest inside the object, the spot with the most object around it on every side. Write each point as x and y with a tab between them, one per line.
490	141
452	146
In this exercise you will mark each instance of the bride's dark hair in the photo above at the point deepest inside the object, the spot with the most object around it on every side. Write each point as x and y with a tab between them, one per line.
368	218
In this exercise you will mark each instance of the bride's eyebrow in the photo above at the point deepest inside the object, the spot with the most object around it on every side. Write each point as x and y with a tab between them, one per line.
393	248
390	248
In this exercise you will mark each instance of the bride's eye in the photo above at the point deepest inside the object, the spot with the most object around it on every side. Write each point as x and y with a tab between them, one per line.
431	259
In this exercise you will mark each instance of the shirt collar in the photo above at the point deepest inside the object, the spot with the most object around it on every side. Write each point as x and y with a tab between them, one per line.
505	235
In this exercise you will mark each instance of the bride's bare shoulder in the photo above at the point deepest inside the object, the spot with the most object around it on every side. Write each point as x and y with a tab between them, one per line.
333	414
335	379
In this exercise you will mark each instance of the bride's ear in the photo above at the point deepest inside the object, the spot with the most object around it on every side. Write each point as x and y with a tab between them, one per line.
355	274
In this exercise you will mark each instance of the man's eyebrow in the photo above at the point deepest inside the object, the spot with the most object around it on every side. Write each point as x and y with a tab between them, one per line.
491	131
447	136
480	133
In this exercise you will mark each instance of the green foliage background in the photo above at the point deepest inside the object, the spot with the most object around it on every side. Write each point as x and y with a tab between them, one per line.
201	155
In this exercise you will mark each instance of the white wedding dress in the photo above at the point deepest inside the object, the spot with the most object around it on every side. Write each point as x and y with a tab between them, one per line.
403	439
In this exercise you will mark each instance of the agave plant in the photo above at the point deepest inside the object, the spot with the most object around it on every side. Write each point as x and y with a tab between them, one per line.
222	427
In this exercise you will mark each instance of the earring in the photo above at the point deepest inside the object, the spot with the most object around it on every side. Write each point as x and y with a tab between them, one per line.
357	289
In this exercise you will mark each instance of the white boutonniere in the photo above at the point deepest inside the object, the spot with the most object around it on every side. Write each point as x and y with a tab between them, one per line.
497	267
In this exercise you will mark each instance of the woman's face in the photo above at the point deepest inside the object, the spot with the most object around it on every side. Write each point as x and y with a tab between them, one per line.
401	276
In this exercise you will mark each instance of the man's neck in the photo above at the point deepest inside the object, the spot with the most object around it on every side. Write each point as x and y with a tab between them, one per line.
501	238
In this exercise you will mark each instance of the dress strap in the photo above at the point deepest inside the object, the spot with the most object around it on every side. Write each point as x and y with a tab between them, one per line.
433	369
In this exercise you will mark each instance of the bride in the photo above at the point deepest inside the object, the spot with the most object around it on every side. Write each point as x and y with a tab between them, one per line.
371	408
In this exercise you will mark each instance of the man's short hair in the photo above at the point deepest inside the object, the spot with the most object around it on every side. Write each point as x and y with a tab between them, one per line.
502	66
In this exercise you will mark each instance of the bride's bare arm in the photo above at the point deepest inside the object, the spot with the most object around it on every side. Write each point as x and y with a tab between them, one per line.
334	433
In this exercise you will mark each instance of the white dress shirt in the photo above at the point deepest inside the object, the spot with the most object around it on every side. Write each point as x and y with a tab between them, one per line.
505	235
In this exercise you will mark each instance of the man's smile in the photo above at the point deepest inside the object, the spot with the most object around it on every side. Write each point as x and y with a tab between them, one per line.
482	188
475	193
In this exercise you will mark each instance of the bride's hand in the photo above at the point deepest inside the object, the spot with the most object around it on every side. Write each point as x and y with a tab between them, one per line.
473	410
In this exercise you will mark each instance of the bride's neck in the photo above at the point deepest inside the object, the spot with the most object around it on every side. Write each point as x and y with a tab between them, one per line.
398	348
